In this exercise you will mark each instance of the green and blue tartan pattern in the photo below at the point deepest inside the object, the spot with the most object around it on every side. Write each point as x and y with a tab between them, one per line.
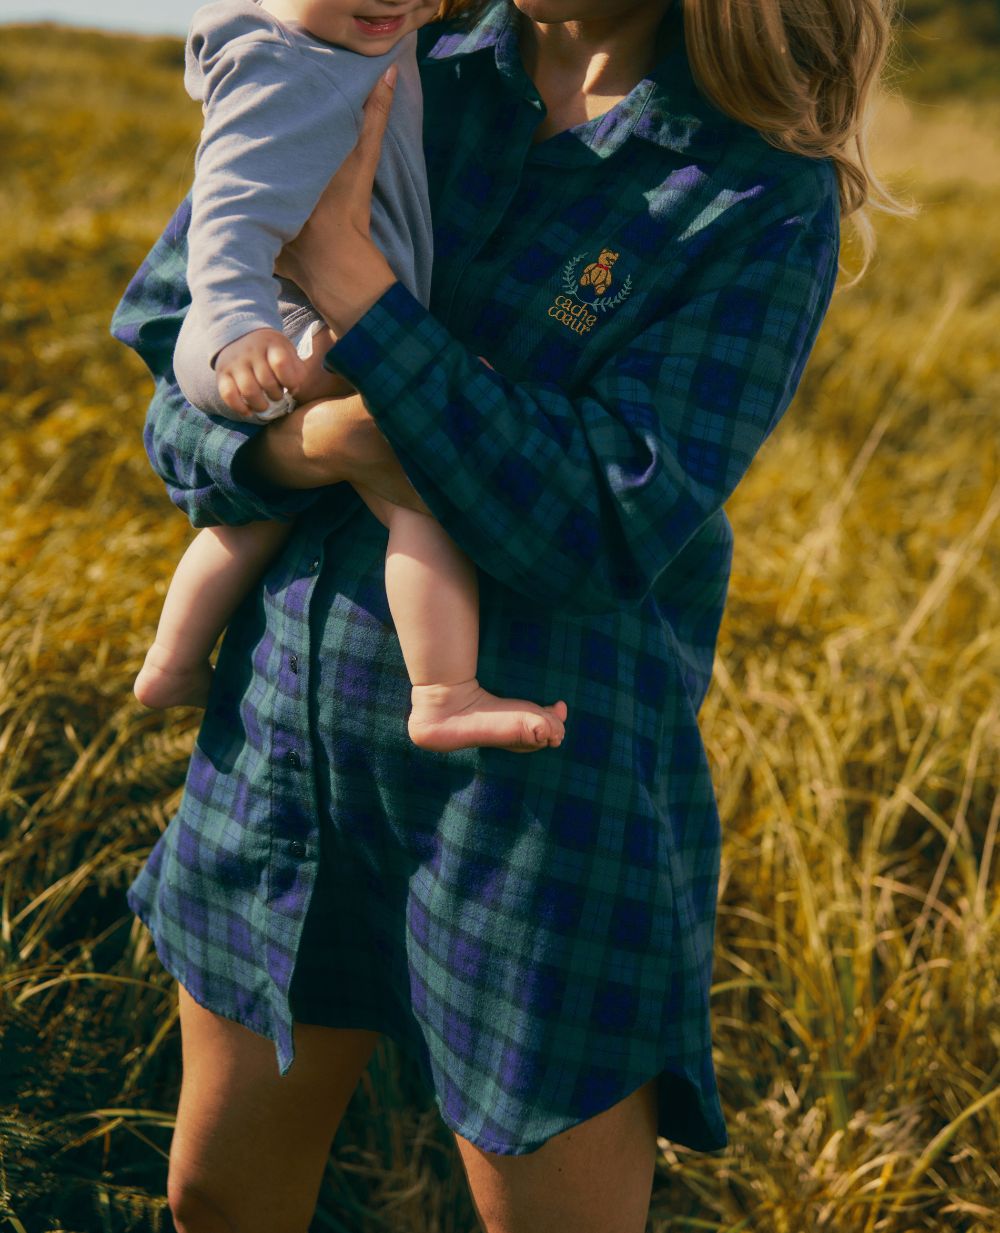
536	930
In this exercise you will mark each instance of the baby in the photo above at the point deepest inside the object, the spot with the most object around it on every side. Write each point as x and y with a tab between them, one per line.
282	85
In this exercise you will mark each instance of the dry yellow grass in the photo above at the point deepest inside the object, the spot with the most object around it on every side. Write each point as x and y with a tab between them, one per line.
853	724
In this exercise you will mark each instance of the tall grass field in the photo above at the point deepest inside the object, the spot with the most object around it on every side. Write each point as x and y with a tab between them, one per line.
853	723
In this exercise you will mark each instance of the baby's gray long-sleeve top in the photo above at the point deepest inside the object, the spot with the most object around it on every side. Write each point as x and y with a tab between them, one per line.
282	109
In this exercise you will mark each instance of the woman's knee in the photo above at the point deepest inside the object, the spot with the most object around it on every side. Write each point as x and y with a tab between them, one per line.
192	1212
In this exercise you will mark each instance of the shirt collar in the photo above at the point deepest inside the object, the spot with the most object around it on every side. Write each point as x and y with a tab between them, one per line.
665	107
483	33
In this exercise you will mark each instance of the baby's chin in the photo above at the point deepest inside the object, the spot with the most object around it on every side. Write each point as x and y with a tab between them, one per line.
369	50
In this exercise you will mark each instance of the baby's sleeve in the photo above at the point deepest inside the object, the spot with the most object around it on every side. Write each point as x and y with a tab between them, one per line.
193	368
275	130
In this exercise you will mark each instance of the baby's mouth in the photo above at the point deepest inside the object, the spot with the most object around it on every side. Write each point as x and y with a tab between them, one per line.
379	25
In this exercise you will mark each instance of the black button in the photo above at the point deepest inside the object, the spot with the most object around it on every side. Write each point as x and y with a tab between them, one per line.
293	662
297	847
293	759
314	565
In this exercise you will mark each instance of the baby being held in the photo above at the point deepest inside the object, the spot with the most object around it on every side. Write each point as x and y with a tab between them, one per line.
282	85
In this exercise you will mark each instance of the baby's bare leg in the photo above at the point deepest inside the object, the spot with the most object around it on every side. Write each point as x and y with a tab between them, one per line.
218	568
317	382
433	596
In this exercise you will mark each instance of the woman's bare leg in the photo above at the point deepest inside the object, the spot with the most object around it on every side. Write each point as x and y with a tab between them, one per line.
434	600
250	1146
220	566
596	1177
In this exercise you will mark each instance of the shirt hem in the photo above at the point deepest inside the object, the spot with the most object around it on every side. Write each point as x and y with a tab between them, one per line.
173	968
526	1147
364	1023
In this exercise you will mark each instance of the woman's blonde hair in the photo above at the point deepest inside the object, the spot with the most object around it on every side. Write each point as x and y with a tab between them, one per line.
450	10
803	74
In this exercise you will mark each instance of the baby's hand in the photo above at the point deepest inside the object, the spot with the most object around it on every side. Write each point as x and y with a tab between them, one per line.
256	369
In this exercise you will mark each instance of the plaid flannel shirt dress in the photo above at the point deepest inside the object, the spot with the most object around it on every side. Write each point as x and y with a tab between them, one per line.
536	930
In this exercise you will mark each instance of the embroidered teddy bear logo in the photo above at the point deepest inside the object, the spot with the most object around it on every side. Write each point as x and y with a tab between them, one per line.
598	273
580	310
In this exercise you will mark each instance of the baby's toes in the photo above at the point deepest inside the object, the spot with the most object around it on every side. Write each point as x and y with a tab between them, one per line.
544	729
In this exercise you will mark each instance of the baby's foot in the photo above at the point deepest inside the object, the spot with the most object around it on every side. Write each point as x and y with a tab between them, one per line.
448	717
162	682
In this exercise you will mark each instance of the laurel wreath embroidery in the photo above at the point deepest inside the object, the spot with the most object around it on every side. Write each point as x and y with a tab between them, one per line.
569	274
615	300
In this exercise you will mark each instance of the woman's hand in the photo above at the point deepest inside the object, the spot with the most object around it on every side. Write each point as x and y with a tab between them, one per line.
343	272
323	443
333	258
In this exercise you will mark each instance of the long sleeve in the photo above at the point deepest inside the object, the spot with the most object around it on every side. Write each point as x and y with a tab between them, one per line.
281	112
585	498
275	130
196	456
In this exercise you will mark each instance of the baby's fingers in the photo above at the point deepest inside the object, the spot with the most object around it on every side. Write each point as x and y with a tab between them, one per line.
230	394
266	379
249	388
286	366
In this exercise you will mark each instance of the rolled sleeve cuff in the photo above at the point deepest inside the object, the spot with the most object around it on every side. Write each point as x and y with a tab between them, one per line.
236	500
383	355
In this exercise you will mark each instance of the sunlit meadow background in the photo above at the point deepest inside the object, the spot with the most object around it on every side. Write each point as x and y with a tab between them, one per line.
853	724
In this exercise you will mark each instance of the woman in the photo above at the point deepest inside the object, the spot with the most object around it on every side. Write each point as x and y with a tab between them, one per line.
646	275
